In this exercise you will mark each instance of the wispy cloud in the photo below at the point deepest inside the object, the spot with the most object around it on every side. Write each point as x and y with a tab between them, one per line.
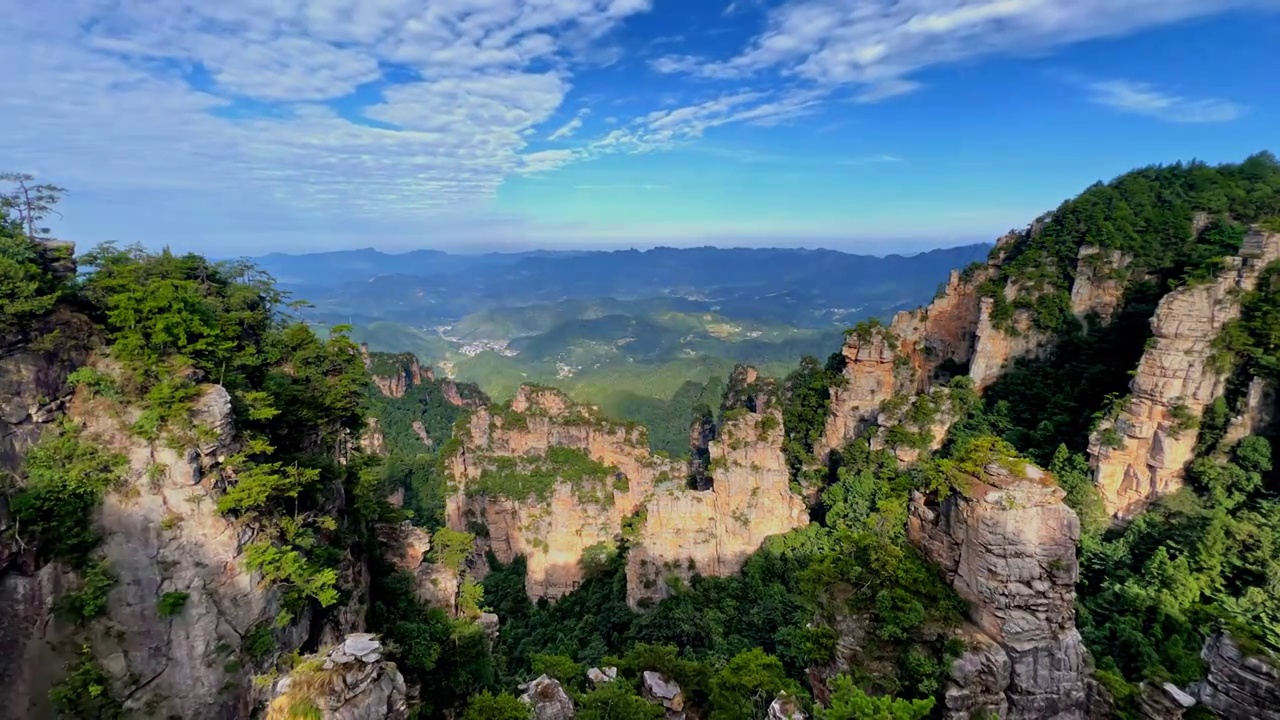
1146	99
624	186
568	129
879	44
99	95
871	160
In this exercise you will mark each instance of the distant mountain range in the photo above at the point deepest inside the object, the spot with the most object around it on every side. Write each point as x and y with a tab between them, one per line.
795	287
645	335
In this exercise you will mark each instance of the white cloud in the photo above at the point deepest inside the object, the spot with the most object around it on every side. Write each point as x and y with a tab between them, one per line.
878	44
1145	99
212	106
567	130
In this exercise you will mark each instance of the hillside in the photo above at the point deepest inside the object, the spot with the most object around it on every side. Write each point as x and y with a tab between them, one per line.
1047	493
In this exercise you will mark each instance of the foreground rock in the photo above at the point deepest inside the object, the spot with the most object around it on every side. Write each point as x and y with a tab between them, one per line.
548	699
656	687
1238	685
1007	544
350	682
1142	452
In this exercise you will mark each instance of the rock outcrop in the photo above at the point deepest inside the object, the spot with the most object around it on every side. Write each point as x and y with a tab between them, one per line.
997	345
658	688
396	375
33	380
1007	544
875	370
676	530
1142	452
1101	277
1238	686
1255	414
548	699
406	547
943	333
350	682
161	535
713	532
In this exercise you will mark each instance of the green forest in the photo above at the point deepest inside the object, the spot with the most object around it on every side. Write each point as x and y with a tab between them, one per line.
1203	559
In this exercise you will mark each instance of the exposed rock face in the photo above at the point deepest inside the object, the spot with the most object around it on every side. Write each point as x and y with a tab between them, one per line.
1256	413
406	547
1238	686
33	381
548	699
945	330
874	371
785	707
32	641
1101	275
1007	544
552	534
1143	452
372	440
1163	701
714	530
351	682
995	348
600	676
405	373
161	533
658	688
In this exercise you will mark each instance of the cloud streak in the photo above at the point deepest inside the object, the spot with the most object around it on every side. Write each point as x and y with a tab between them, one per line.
1145	99
878	44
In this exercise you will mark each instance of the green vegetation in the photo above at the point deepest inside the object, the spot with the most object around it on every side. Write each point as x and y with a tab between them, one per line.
1146	214
85	690
806	399
503	706
525	478
171	603
65	480
849	702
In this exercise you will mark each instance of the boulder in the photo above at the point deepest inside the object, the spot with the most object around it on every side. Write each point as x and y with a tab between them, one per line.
548	699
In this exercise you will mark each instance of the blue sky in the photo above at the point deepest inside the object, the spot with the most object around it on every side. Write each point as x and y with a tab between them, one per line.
248	126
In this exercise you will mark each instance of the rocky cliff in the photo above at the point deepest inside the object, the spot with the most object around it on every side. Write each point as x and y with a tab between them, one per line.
1007	544
1142	451
712	532
1238	685
549	479
875	370
161	534
394	375
33	380
1101	277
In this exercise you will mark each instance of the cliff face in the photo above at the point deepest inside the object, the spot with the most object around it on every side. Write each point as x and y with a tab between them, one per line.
406	547
395	377
551	531
995	347
161	533
1238	685
669	523
1007	543
1101	276
1143	452
945	329
714	531
33	381
874	371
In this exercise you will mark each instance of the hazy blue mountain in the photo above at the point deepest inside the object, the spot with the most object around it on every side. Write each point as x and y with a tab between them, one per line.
794	287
